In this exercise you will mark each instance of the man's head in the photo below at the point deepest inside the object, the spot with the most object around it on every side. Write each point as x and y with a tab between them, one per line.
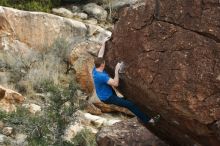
99	62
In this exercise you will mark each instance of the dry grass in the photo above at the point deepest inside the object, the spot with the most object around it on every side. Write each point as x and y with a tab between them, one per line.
26	71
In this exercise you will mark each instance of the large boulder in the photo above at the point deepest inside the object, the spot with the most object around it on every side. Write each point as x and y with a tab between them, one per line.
127	133
36	29
171	51
9	99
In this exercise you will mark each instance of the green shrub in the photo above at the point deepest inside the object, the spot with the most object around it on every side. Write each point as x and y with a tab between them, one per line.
37	5
58	96
85	138
47	127
36	127
31	5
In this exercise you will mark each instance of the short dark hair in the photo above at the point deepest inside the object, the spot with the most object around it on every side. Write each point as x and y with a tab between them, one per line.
98	61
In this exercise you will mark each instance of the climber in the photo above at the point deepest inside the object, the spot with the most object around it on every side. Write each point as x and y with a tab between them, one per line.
104	83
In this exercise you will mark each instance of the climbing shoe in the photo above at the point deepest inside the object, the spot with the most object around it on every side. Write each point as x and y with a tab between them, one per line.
154	120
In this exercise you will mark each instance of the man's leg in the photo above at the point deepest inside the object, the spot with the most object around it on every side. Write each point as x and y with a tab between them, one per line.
128	104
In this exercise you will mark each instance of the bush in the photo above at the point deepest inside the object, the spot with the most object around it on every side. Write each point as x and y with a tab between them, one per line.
31	5
37	5
18	63
28	70
85	138
58	97
45	128
31	125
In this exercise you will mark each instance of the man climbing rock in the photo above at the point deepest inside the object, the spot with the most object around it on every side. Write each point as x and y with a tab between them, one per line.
104	83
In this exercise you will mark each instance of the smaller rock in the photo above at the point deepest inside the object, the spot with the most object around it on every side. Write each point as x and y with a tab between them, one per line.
7	131
33	108
80	118
72	131
91	21
108	108
2	139
88	119
96	120
62	12
93	109
96	11
82	16
20	139
75	9
111	122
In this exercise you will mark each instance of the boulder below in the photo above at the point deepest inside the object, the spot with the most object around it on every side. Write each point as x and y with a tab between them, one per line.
127	133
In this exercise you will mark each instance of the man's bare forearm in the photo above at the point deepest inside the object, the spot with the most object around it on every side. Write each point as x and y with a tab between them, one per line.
102	51
116	78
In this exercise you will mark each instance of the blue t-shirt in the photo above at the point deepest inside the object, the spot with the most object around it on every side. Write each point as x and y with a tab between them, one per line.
103	90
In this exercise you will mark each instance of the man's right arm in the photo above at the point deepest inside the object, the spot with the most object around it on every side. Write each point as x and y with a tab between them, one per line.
102	50
114	82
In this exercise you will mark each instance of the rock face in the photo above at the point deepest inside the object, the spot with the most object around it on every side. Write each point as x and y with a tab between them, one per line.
171	51
36	29
129	133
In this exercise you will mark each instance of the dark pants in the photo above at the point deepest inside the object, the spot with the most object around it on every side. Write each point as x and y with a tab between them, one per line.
114	99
